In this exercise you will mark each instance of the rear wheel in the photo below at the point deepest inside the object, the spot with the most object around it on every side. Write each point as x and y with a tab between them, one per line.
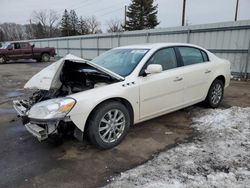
215	94
2	59
45	57
108	125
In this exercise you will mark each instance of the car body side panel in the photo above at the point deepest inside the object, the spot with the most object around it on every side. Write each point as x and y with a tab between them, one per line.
195	81
160	92
88	100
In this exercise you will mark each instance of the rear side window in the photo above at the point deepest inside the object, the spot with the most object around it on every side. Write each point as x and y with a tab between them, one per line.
204	55
191	55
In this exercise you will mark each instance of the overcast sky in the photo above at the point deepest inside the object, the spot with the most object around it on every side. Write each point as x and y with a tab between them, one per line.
169	11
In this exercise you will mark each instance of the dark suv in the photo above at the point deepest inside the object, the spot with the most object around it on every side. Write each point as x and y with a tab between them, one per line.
23	50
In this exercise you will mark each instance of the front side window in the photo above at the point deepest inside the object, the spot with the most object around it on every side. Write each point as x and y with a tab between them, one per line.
120	61
17	45
165	57
191	55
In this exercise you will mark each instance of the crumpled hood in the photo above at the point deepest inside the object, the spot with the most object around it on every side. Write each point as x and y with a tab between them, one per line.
48	78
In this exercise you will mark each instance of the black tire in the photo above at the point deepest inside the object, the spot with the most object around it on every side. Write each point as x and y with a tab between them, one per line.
38	60
45	57
95	124
2	59
215	94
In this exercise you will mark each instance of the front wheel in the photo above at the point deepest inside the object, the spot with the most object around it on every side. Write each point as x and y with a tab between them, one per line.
215	94
108	125
45	57
2	59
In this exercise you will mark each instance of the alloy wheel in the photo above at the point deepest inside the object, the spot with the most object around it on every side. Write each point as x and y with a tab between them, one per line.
112	126
216	93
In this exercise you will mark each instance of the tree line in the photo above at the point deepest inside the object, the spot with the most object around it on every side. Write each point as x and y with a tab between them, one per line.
141	14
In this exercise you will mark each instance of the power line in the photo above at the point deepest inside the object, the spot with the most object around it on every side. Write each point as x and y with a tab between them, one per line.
106	8
77	6
111	11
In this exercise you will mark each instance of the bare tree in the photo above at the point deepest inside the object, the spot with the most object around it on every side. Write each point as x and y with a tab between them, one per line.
114	25
93	25
53	21
2	36
13	31
48	20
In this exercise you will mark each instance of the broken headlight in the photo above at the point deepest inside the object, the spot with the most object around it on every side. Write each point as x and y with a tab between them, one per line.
51	109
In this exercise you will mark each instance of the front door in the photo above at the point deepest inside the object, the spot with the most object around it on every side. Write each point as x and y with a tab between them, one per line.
161	92
14	51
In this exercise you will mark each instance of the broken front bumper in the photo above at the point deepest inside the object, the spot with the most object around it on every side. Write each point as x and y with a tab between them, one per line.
41	130
37	131
21	107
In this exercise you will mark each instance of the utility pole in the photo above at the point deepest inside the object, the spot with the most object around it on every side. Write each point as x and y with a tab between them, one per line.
183	12
141	16
125	16
236	10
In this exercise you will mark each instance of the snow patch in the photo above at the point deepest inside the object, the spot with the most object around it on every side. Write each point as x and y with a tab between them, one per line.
218	157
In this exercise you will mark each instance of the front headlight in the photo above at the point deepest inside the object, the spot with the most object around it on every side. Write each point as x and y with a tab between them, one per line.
51	109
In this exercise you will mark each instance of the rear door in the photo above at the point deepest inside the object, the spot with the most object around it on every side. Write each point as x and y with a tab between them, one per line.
196	71
161	92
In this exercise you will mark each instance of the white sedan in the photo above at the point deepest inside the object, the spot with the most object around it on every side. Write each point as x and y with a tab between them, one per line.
121	87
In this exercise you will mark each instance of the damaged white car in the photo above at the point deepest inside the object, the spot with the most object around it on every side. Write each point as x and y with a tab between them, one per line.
121	87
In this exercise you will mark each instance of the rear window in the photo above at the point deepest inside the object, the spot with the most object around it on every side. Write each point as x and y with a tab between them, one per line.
24	45
191	55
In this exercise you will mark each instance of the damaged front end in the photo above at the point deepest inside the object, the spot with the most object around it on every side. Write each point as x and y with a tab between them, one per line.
45	112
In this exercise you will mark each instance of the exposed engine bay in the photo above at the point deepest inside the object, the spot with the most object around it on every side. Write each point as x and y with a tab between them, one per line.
74	77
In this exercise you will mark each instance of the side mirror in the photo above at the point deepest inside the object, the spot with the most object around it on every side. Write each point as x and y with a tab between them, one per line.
153	68
33	45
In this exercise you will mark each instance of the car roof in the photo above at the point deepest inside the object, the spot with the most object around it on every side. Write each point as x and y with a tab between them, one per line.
156	45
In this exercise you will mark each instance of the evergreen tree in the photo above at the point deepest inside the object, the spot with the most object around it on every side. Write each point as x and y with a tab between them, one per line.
83	27
65	24
142	14
39	31
74	21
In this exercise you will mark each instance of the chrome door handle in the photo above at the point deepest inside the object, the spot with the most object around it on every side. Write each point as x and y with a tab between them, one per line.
207	71
178	79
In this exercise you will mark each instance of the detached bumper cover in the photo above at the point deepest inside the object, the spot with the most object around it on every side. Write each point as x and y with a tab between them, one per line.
41	131
37	131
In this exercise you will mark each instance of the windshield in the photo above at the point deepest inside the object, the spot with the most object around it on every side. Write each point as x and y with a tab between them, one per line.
5	45
120	61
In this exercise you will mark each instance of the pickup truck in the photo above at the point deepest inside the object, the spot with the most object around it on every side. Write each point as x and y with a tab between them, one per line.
24	50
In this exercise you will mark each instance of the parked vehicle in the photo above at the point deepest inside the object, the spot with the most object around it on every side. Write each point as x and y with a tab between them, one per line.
23	50
121	87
